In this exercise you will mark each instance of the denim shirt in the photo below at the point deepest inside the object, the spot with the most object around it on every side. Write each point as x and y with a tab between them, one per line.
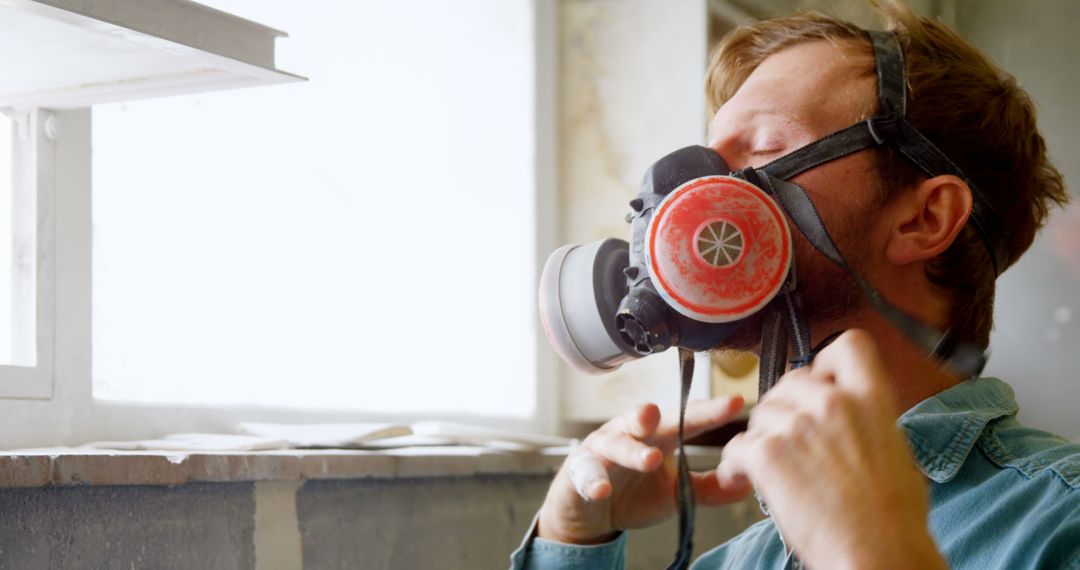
1001	495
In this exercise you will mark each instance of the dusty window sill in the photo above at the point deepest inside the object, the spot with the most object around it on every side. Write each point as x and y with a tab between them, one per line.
67	466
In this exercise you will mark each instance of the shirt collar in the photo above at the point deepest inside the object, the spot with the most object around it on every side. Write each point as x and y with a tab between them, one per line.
943	429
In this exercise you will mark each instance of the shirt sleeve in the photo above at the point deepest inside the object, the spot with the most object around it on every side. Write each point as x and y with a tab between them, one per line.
540	554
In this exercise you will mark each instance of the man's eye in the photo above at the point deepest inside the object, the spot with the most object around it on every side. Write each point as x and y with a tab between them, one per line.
769	145
770	150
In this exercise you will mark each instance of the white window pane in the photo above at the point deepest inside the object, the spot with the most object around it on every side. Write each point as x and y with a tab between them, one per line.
360	241
18	245
6	258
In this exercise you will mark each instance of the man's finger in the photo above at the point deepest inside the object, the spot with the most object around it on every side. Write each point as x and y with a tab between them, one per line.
852	362
772	417
589	476
704	415
733	471
620	448
709	492
803	374
800	392
641	422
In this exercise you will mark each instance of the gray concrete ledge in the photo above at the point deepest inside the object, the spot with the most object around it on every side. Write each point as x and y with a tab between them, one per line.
70	466
40	468
67	466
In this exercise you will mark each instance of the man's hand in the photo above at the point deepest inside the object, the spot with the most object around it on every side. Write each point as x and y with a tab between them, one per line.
623	475
824	452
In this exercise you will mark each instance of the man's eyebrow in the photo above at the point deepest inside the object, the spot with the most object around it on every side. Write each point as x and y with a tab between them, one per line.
767	112
748	115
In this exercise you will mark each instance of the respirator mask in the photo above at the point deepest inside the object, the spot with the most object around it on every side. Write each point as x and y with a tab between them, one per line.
710	248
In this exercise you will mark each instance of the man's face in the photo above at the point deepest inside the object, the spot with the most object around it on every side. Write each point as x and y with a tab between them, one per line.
796	96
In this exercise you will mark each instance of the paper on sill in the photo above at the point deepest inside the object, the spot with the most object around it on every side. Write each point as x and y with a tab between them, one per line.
479	435
196	442
385	435
265	436
339	435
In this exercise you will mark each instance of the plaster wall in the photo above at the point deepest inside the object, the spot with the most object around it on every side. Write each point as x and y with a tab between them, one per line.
630	91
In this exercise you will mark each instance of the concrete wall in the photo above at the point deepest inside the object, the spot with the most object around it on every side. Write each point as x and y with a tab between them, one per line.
190	526
445	523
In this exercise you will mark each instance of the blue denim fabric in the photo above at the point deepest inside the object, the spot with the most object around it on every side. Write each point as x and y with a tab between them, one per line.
1002	495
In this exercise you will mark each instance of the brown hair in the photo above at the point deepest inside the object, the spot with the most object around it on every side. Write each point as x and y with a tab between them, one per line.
969	108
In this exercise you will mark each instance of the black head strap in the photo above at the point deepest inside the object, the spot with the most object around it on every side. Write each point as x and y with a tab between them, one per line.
891	127
891	74
892	98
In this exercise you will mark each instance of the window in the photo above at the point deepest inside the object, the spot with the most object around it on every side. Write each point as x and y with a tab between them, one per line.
8	333
18	243
26	254
361	241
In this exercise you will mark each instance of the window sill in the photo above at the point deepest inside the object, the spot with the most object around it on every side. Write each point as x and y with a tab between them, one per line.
69	466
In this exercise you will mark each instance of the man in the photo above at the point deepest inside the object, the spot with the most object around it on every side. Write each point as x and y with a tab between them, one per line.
970	488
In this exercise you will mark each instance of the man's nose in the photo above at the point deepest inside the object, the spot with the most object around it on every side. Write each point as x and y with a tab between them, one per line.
726	141
729	148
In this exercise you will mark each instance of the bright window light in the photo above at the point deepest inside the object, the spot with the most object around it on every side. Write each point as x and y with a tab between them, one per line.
361	241
18	244
7	175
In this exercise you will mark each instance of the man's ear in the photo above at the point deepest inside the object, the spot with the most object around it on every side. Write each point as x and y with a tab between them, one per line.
928	219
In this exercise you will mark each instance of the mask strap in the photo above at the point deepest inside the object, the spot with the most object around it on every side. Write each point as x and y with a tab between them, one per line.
924	154
783	320
892	99
686	489
891	74
837	145
772	359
